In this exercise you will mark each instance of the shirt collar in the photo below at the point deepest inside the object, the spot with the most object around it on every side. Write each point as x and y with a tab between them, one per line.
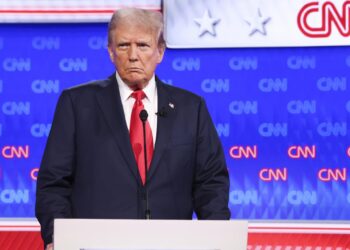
125	91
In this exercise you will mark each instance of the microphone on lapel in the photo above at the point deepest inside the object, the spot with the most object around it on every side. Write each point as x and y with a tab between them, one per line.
162	112
143	117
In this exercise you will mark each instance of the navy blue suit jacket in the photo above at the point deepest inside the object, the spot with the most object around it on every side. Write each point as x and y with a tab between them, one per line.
88	169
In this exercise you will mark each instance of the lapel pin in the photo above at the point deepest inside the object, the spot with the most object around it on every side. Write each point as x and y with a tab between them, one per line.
171	105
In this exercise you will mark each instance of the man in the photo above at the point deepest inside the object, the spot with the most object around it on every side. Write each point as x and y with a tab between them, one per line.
94	161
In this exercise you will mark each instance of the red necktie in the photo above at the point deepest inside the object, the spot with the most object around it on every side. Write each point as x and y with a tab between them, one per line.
136	135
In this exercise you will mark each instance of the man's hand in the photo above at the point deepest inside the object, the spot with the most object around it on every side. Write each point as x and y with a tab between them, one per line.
49	246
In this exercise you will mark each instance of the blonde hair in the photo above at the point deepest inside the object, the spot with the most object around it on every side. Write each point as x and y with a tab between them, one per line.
149	19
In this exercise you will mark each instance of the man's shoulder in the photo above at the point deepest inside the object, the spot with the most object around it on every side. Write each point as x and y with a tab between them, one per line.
177	92
87	87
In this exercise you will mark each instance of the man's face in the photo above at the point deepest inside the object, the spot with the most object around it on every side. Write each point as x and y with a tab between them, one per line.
135	53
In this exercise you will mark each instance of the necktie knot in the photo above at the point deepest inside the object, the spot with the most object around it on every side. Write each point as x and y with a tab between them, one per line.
138	95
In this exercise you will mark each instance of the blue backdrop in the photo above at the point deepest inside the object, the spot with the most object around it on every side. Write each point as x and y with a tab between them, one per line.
282	115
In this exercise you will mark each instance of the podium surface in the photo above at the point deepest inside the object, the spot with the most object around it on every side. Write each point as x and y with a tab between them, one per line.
97	234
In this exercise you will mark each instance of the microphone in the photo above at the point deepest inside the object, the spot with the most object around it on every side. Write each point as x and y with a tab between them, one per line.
162	112
143	117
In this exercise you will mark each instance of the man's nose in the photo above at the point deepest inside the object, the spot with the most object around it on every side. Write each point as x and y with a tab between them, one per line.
133	56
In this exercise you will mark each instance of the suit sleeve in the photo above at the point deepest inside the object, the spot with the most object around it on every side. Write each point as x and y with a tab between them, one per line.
55	177
211	187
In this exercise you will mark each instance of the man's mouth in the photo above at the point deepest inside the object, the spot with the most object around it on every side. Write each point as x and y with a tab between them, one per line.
134	69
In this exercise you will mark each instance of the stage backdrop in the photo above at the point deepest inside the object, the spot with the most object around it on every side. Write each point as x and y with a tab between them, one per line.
282	115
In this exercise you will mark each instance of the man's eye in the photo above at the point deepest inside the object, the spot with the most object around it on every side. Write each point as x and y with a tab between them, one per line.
143	45
122	46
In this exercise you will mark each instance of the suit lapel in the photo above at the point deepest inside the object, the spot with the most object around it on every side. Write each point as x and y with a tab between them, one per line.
164	126
110	103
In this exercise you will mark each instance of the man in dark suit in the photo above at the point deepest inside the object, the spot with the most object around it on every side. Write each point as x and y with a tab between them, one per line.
94	161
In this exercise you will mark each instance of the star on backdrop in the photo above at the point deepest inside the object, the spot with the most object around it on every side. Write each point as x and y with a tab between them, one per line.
257	23
206	24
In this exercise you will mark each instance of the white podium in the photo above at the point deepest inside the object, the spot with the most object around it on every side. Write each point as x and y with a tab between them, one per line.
93	234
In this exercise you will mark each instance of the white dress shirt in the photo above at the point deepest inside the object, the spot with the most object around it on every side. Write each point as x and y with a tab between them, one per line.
150	103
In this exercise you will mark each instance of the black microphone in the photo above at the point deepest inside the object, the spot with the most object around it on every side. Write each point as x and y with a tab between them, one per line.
162	112
143	116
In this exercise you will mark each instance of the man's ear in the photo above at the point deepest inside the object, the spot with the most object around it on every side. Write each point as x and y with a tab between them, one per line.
110	52
161	51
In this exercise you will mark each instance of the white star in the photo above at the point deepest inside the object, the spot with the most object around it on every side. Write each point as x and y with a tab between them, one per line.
207	24
257	23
